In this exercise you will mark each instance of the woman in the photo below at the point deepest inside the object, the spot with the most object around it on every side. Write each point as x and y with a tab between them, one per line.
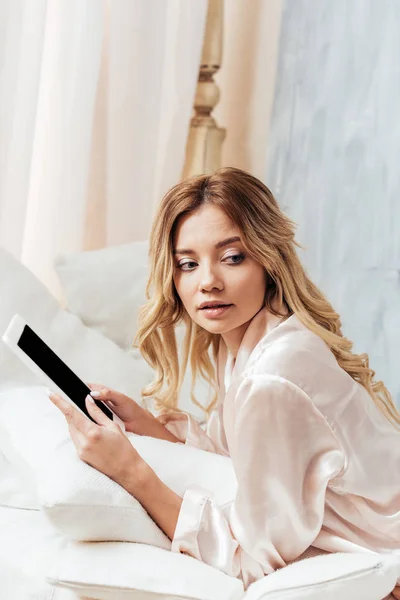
313	438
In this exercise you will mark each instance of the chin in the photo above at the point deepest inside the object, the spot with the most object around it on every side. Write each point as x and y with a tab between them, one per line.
216	326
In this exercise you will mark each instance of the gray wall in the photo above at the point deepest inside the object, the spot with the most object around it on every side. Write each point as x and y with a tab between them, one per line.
335	162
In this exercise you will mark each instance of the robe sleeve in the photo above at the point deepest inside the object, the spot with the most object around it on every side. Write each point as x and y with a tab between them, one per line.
284	454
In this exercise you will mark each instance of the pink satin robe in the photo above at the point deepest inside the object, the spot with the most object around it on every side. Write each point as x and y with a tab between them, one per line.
317	463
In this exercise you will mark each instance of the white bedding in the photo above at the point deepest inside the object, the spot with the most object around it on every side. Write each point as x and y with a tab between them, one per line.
30	550
26	542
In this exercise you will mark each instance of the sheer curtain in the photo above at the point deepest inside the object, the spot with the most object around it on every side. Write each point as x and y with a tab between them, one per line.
95	101
247	81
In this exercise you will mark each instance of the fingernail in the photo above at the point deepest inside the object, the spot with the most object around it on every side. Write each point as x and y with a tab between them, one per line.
90	399
49	393
95	394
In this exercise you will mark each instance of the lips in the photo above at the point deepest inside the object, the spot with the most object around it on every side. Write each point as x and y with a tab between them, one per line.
214	306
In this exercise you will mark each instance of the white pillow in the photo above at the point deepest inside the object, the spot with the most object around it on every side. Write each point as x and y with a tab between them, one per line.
86	279
103	569
28	543
114	570
359	576
38	563
106	288
15	489
81	502
92	356
107	571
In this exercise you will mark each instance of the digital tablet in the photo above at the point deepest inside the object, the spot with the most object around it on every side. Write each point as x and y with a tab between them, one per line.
45	363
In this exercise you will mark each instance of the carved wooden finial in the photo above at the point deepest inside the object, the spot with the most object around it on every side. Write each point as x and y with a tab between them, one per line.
204	145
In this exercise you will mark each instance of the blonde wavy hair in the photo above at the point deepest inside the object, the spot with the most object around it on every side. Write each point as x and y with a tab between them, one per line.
268	236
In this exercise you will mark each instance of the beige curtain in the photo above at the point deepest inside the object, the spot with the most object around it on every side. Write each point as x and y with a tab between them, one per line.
95	99
247	80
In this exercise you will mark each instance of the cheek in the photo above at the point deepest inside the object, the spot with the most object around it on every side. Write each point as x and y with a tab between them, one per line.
261	278
253	284
183	288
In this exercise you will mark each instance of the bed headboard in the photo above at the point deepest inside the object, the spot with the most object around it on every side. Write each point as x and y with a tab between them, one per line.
205	138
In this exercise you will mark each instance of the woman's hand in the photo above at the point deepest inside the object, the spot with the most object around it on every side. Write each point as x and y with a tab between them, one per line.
136	418
103	445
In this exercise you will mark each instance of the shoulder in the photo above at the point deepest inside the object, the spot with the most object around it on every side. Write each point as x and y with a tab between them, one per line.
295	354
290	342
263	386
279	409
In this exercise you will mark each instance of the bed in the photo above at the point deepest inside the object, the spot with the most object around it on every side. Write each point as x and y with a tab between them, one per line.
29	543
37	562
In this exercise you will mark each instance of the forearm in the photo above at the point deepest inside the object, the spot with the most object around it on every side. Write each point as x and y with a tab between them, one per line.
162	504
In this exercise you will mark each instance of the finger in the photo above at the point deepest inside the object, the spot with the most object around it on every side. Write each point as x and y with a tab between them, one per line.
109	396
163	419
72	414
99	392
95	386
97	414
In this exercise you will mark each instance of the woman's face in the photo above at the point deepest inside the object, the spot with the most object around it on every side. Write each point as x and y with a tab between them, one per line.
212	266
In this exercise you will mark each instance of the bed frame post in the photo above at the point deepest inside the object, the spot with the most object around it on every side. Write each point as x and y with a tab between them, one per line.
204	145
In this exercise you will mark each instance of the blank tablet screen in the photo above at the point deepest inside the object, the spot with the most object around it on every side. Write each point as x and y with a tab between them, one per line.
57	370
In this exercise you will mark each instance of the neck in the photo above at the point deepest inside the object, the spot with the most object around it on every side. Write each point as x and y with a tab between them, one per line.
233	339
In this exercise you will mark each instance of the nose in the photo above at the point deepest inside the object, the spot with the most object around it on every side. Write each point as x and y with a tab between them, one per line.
209	279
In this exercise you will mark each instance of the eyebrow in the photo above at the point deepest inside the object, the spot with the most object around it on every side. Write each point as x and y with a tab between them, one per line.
217	246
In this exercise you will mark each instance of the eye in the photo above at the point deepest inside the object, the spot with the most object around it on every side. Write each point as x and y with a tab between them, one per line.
191	264
236	258
185	266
